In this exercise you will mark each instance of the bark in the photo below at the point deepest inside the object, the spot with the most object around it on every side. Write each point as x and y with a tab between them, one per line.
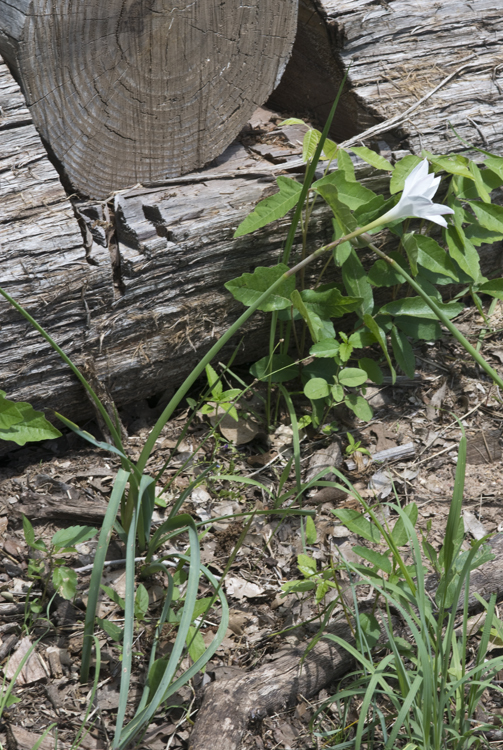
398	52
230	706
137	91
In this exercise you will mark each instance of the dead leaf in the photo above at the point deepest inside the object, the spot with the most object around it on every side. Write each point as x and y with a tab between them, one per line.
238	433
483	448
241	589
33	669
330	456
433	408
473	526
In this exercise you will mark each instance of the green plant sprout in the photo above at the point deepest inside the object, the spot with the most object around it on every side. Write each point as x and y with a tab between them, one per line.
354	446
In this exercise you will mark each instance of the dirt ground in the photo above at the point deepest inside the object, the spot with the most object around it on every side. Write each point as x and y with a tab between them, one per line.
67	482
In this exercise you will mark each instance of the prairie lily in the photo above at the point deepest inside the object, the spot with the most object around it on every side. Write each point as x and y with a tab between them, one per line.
419	189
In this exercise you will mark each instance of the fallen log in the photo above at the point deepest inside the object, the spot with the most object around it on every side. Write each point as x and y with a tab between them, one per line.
230	706
139	91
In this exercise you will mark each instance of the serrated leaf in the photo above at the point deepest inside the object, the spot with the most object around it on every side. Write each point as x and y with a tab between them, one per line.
372	369
417	307
321	590
250	286
342	214
382	562
329	303
281	366
357	284
73	535
311	533
489	215
433	257
356	522
316	388
403	352
65	582
272	208
325	348
375	160
345	351
399	533
306	565
309	144
352	377
402	170
359	406
20	423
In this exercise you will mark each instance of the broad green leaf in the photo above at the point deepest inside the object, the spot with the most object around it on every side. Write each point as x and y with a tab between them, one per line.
329	303
352	377
371	631
340	252
291	121
314	329
375	160
359	406
357	284
114	596
29	532
453	164
479	183
111	629
411	248
311	534
342	215
489	215
480	235
493	287
402	170
281	367
250	286
465	189
349	192
382	562
272	208
325	348
362	338
195	643
298	586
419	328
345	351
380	337
399	533
65	582
427	287
141	601
372	369
306	565
316	388
337	392
495	164
433	257
372	210
345	165
383	274
311	140
73	535
463	252
403	352
214	382
356	522
321	590
417	307
20	423
330	149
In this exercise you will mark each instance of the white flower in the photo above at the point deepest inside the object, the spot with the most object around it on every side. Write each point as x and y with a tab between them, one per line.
419	189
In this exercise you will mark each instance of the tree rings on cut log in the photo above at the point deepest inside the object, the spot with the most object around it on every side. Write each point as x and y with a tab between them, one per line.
135	91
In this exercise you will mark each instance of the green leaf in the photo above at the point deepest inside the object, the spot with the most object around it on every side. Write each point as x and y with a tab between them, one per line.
312	323
382	562
311	534
345	165
351	193
29	532
453	164
345	351
495	164
403	352
433	257
20	423
250	286
359	406
362	338
493	287
316	388
417	307
399	533
419	328
411	248
337	392
356	522
375	160
298	586
141	601
373	209
330	150
111	629
372	632
321	590
463	252
65	582
214	382
282	368
357	284
306	565
329	303
291	121
352	377
272	208
311	140
325	348
380	337
383	274
402	170
114	596
489	215
479	182
372	369
195	643
72	535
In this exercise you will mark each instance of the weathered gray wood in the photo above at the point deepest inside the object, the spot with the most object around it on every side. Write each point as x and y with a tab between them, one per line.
136	91
400	50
